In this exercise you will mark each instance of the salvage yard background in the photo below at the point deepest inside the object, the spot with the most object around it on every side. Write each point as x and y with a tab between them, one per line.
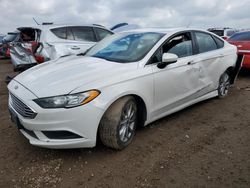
206	145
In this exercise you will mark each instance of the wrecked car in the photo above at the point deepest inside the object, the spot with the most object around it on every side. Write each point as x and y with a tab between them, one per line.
127	80
49	42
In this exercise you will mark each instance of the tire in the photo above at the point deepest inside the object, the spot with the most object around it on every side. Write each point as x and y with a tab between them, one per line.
118	125
224	85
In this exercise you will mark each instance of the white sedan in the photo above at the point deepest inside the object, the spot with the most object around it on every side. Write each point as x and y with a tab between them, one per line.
127	80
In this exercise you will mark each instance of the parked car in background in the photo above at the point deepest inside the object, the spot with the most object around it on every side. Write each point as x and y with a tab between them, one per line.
49	42
1	39
6	43
225	33
127	80
242	41
1	43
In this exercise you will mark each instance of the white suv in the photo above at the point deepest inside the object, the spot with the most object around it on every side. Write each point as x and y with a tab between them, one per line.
49	42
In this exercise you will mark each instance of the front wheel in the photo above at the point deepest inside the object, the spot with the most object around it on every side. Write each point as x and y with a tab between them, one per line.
117	127
224	85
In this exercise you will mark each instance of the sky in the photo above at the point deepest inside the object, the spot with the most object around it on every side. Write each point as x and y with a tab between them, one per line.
146	13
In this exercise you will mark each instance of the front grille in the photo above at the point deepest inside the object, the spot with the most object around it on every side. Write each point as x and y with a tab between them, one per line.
21	108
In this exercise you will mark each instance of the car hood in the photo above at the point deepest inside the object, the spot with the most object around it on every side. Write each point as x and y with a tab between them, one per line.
67	74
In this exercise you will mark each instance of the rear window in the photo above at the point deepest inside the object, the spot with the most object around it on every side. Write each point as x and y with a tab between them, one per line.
60	32
29	34
240	37
218	32
219	42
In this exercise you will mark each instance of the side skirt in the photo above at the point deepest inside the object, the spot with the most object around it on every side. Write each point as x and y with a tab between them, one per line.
181	107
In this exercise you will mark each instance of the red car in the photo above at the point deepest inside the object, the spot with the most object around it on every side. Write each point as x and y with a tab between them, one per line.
242	41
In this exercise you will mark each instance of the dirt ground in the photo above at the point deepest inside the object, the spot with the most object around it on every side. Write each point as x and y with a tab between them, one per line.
206	145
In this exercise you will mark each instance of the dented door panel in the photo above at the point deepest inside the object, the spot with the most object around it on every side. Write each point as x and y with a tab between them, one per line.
175	85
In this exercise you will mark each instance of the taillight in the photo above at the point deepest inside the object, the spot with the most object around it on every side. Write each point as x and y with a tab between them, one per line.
39	58
225	38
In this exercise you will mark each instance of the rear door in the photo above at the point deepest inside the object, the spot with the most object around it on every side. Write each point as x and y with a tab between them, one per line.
83	38
208	61
72	40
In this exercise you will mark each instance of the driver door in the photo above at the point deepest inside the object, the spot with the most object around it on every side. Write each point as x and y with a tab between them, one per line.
177	83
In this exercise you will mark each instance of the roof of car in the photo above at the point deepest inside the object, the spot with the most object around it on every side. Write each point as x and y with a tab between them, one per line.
52	26
162	30
244	31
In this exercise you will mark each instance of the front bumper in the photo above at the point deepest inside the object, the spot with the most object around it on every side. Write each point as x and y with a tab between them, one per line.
82	121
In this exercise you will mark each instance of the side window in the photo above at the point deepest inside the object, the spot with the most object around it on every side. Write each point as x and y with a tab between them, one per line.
83	34
156	58
102	33
219	42
205	42
180	45
70	34
60	32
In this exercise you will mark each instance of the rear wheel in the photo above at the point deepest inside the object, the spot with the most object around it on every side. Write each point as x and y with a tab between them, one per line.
224	85
117	127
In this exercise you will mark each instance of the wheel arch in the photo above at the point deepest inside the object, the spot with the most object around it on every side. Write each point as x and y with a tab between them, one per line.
141	105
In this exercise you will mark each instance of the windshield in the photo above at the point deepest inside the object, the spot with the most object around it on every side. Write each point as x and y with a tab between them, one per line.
240	37
124	47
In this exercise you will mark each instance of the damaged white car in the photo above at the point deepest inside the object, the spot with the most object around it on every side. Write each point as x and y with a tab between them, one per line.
127	80
49	42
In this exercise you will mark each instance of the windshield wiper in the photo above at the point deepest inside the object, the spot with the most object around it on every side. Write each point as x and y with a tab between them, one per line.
81	54
84	53
112	60
101	57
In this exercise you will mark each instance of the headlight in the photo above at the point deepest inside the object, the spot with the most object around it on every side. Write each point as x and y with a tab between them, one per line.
68	101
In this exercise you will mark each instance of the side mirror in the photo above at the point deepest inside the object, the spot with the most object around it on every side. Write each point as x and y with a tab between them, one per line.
167	58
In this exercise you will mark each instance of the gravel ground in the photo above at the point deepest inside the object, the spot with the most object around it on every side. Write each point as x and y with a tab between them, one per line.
206	145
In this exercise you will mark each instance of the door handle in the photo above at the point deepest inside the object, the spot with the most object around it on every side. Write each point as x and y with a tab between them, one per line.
75	48
190	63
